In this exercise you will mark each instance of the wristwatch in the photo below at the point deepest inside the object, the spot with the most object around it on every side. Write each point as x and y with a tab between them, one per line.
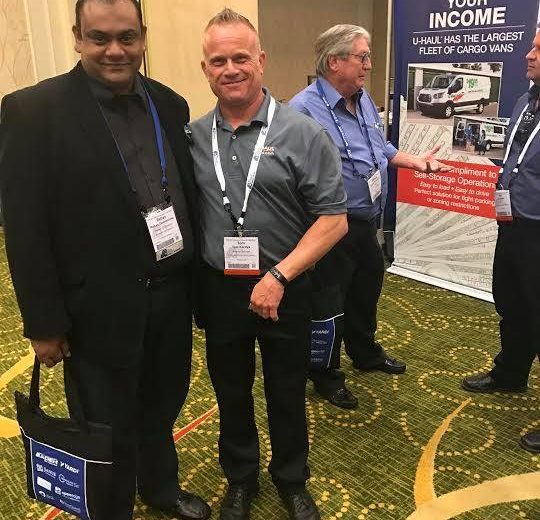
278	275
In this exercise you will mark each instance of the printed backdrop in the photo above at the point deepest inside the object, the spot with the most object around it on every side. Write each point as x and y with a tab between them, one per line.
460	67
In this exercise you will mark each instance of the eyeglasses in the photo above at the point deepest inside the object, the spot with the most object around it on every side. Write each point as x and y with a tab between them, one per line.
364	58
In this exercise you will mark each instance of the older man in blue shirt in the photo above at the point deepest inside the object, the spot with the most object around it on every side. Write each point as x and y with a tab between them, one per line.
338	101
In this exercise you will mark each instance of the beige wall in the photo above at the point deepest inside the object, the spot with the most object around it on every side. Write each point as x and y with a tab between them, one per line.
174	44
378	48
288	30
16	66
35	41
50	23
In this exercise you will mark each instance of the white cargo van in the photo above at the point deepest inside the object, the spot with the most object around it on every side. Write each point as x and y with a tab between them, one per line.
450	93
494	131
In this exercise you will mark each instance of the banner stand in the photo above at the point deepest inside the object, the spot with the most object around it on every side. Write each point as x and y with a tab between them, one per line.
460	68
443	284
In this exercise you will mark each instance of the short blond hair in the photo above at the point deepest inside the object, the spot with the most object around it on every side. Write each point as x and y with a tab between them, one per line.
226	16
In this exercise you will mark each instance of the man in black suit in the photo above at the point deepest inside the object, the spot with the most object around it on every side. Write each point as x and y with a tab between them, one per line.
97	192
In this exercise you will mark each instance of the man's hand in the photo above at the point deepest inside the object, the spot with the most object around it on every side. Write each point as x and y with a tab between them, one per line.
266	297
51	351
428	163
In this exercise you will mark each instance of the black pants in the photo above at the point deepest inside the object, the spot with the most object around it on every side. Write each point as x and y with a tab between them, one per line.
142	400
231	331
357	263
516	291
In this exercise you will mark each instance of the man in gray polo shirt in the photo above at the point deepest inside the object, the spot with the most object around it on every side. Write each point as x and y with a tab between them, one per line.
272	204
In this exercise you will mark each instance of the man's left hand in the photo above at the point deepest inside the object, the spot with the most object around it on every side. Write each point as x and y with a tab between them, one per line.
266	297
428	163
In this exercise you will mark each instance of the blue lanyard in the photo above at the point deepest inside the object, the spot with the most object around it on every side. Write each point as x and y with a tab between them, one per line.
339	126
159	141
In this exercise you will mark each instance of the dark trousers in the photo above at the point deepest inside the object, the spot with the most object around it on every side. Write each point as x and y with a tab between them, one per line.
231	331
516	291
141	401
357	263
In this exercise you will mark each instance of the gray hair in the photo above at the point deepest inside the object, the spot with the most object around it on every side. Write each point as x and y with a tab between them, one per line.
336	41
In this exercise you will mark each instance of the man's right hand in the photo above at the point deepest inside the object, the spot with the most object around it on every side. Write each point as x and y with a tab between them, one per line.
51	351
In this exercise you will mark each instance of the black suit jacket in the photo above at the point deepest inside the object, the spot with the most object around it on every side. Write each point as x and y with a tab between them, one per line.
77	245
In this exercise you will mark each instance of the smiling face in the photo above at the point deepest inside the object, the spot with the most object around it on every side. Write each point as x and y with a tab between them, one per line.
111	43
533	61
348	74
233	64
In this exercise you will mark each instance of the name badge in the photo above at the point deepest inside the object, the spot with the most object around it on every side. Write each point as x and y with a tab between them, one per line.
503	206
241	255
164	231
375	185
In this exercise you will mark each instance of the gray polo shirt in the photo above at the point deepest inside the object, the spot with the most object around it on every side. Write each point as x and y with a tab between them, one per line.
129	119
298	179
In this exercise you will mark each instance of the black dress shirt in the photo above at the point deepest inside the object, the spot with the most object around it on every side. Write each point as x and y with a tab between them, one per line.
130	120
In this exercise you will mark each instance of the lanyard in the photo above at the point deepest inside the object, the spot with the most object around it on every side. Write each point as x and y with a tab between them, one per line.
339	126
159	141
511	142
252	173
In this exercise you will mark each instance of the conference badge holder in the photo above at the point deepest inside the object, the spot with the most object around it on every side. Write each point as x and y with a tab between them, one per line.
241	252
164	231
68	461
503	206
375	185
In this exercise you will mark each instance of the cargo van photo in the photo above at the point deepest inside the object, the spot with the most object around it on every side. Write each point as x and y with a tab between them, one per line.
447	94
494	132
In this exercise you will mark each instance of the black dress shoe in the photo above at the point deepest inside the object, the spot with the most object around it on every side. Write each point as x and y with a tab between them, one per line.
237	501
341	397
386	364
531	441
486	384
187	507
300	505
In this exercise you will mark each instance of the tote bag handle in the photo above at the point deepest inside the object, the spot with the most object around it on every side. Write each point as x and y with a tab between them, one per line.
75	408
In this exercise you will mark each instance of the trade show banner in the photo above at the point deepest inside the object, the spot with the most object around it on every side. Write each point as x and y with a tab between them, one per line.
460	67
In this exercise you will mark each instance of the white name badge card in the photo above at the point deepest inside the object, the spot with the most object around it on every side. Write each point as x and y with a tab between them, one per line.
164	232
503	206
375	185
241	256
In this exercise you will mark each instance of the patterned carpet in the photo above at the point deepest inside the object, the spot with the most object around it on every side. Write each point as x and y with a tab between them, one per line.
418	446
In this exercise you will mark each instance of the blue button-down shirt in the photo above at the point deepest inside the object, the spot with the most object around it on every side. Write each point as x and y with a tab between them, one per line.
525	185
356	128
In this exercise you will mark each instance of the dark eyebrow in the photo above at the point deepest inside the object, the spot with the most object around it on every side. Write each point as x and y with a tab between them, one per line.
95	33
